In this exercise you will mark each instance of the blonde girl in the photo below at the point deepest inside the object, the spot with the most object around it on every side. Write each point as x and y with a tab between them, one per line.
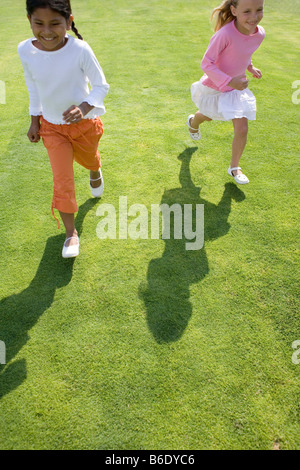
222	93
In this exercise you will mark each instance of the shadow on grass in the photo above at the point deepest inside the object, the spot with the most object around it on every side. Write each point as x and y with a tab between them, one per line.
20	312
167	292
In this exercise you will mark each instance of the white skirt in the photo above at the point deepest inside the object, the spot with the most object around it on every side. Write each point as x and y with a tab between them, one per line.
223	106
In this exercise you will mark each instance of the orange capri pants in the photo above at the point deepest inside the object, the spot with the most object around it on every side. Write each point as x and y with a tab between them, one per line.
65	143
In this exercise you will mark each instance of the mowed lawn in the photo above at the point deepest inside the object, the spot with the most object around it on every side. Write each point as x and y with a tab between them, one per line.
139	343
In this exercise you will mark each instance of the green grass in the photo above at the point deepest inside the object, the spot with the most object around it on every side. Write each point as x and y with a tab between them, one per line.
140	344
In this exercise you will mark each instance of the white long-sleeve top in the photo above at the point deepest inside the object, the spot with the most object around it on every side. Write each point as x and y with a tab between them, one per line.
59	79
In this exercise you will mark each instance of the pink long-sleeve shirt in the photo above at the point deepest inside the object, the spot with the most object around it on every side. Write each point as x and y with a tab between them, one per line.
228	55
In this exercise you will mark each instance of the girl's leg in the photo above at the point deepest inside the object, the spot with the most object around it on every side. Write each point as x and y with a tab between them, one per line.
69	223
239	142
60	153
86	148
197	120
64	199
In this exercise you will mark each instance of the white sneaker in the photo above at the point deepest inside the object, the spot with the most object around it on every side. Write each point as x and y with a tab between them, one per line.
193	135
240	179
97	192
70	251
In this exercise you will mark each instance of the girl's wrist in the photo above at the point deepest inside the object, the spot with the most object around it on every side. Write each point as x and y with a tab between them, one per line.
85	108
35	120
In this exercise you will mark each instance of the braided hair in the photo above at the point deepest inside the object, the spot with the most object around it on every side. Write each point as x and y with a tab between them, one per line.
63	7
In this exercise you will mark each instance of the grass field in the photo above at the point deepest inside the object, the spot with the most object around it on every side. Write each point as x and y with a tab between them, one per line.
141	344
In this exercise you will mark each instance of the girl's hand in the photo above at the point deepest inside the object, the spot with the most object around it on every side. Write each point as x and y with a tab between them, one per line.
76	113
256	73
34	132
239	83
73	114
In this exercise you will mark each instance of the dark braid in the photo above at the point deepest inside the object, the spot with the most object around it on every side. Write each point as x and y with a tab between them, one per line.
63	7
75	30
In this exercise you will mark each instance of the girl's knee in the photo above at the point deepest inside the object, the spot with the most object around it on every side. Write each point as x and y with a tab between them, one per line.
241	127
203	117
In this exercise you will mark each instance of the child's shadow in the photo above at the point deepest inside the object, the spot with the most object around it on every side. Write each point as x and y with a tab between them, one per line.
20	312
167	291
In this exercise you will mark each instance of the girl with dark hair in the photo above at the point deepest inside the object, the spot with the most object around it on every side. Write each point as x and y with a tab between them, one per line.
64	110
63	7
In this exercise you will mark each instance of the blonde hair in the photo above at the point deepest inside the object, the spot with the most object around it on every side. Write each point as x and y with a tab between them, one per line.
223	13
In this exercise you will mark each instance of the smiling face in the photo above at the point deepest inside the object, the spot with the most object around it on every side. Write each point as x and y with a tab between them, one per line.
49	28
248	14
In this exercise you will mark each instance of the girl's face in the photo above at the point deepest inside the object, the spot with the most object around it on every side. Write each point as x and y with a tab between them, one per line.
49	28
248	14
